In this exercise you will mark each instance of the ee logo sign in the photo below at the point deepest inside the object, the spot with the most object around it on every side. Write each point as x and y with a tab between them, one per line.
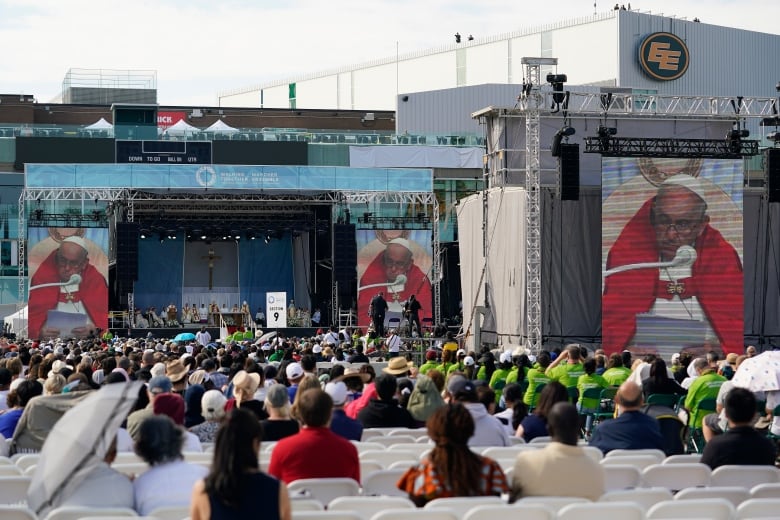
663	56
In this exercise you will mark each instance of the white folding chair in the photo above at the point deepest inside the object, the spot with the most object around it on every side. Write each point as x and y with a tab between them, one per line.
506	463
638	461
768	490
305	504
414	432
593	452
758	508
416	514
602	511
383	482
79	512
372	434
324	489
326	515
387	457
516	440
418	448
5	460
389	440
517	510
541	440
367	507
171	513
503	452
369	466
10	470
658	454
554	503
645	497
621	476
684	458
26	460
268	447
13	490
711	508
462	505
131	469
745	476
368	446
198	457
734	494
8	512
676	476
127	457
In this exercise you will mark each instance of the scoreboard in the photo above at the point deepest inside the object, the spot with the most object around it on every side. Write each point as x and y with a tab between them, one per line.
163	152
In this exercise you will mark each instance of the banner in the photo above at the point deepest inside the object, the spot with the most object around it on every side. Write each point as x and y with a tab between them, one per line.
396	263
275	310
68	296
672	255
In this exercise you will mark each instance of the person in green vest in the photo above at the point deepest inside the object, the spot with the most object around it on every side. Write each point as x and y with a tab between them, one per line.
616	374
107	336
705	386
522	364
498	379
458	366
447	361
430	362
487	362
587	381
536	376
567	367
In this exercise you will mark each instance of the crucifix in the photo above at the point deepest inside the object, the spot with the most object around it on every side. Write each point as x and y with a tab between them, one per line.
211	257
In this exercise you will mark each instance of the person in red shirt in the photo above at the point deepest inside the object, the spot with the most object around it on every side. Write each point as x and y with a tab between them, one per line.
315	451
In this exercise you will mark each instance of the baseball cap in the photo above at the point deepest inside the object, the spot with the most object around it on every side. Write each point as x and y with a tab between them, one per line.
316	349
430	355
294	371
506	357
468	361
462	387
160	385
337	391
460	352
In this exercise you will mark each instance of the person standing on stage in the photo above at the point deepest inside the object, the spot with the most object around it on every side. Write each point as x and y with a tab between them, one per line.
377	311
412	313
260	317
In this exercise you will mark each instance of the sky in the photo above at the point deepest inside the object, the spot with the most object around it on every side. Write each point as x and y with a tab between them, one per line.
200	48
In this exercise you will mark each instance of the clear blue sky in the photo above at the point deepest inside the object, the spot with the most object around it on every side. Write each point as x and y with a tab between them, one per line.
200	47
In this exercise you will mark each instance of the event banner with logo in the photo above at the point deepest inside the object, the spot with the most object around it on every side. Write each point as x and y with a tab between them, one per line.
276	309
672	255
68	295
396	263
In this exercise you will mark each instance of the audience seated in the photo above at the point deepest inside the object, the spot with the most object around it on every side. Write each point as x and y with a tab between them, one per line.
632	429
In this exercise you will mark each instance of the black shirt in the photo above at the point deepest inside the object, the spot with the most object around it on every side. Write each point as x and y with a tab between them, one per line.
741	445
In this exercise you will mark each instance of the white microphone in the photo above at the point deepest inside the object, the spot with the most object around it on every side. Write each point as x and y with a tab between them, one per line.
684	257
74	279
399	280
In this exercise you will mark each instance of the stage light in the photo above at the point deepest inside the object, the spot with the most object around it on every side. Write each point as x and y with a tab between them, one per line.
267	239
38	214
774	137
555	149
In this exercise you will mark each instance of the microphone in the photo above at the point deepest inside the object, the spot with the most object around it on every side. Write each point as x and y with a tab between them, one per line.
399	280
684	257
74	279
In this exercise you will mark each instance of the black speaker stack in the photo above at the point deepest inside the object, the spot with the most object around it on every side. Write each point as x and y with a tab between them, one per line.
569	168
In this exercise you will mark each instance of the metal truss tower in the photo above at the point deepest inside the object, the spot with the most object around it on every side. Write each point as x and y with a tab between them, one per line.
532	100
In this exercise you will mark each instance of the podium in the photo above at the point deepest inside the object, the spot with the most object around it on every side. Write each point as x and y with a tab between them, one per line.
231	322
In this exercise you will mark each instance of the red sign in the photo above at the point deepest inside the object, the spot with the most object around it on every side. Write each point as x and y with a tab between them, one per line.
166	119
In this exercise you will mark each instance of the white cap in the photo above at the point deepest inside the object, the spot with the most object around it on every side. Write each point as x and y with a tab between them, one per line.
468	361
460	352
317	349
337	391
686	181
401	242
76	240
506	357
294	371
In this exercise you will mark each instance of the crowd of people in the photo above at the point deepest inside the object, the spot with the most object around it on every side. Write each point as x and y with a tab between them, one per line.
239	395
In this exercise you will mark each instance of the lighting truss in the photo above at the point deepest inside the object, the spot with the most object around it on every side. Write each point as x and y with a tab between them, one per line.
662	147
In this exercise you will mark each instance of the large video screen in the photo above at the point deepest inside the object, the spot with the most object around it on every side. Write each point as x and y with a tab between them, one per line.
396	263
672	255
68	296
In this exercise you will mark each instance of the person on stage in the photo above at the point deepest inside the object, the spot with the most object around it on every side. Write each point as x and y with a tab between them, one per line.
377	309
76	307
412	309
706	292
260	317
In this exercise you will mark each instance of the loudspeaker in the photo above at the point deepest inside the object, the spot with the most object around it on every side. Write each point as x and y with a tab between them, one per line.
127	253
772	165
344	254
569	168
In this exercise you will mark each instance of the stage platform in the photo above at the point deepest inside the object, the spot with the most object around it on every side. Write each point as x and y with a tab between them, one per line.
166	333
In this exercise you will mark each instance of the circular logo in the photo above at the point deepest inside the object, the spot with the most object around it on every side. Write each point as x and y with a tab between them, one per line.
663	56
206	176
271	299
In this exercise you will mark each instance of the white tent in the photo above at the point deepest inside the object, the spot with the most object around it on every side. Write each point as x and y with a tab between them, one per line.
101	124
182	127
219	127
17	322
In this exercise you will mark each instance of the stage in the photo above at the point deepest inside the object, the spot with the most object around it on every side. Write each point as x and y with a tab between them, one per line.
168	333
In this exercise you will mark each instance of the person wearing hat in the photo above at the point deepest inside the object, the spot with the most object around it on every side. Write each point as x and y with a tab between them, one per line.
77	289
498	379
177	373
157	385
212	408
708	290
340	424
245	385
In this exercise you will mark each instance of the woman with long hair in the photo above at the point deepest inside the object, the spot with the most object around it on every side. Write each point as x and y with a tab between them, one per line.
235	485
535	423
659	381
452	469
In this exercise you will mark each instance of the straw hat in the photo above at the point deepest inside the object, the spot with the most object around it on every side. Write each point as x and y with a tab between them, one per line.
397	365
